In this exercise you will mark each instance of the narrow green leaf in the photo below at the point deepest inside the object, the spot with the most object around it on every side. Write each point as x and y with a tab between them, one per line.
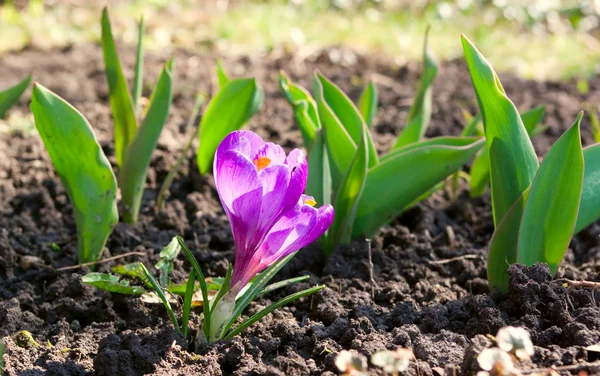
228	111
11	95
165	264
318	183
132	176
593	120
532	118
400	180
158	290
125	125
221	75
111	283
503	245
367	103
138	80
589	209
419	114
305	109
222	291
187	303
133	270
281	284
437	141
335	102
348	196
472	121
480	170
480	173
551	211
262	313
255	289
82	167
203	286
513	161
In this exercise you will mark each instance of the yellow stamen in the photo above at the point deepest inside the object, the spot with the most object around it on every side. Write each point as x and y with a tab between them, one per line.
261	162
310	202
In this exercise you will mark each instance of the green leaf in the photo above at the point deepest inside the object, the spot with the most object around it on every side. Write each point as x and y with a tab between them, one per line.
513	161
503	245
221	75
399	180
419	114
589	209
532	118
203	286
158	290
138	81
305	110
551	210
318	183
187	303
437	141
132	175
130	270
480	170
348	196
281	284
367	103
11	95
165	265
262	313
125	125
341	120
82	167
111	283
166	185
255	289
594	121
228	111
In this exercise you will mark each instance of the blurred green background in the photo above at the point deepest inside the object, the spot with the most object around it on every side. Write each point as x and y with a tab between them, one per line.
541	39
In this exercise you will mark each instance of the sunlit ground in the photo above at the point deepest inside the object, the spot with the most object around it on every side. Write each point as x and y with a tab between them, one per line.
511	36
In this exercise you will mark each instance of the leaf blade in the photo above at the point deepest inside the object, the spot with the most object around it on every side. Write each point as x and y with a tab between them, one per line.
367	103
132	175
513	162
11	95
125	124
82	167
551	210
226	112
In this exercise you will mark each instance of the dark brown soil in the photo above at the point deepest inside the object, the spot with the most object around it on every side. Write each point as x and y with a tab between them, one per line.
442	310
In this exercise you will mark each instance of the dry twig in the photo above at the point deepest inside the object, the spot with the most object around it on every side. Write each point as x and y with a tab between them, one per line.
99	261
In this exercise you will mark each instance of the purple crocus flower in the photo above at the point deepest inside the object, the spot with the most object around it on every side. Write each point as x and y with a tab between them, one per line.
261	191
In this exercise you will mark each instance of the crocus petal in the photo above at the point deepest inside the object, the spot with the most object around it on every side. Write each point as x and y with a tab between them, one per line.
275	180
243	273
291	233
240	190
272	151
245	142
298	165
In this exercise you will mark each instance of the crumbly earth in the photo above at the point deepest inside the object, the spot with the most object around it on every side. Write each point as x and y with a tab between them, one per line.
429	291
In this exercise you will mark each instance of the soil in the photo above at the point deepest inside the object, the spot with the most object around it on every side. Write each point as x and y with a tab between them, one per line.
429	291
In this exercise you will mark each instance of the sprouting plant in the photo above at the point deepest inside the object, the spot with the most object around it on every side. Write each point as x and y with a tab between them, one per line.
80	162
393	362
536	209
82	167
351	363
236	101
368	190
261	190
233	104
514	345
11	95
134	144
480	169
